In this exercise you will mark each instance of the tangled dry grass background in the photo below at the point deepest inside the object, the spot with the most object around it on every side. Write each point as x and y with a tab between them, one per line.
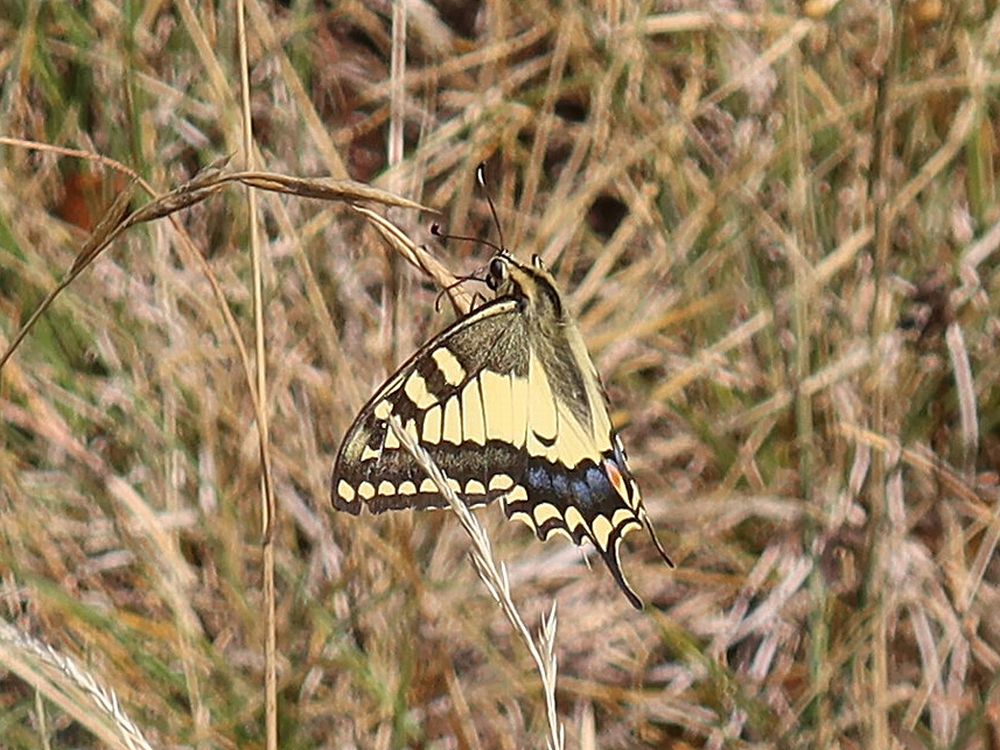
779	226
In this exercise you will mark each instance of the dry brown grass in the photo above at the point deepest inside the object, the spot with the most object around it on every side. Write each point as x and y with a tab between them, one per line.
780	228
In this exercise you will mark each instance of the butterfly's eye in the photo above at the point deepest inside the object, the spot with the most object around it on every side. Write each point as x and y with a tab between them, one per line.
497	275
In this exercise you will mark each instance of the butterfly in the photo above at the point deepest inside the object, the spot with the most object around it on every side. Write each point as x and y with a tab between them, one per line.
509	405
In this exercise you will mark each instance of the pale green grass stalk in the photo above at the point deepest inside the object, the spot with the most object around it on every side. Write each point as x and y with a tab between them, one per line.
494	577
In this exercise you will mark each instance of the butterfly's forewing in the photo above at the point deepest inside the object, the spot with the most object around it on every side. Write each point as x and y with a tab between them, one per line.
461	397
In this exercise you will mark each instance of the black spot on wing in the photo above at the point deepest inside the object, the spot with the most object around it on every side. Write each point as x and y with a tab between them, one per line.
548	442
376	430
435	380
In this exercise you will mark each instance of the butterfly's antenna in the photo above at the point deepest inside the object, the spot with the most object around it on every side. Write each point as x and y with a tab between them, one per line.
436	231
481	177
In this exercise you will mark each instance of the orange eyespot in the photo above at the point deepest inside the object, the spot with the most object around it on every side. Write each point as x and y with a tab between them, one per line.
617	480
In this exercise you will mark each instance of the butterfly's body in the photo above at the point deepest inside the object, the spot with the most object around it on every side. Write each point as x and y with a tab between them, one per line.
509	405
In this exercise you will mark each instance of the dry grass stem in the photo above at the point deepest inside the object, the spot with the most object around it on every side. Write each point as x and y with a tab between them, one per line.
61	680
418	256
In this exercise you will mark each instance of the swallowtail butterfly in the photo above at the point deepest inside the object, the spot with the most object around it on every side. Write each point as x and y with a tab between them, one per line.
508	403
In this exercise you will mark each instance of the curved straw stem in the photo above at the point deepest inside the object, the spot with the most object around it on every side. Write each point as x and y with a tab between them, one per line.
495	578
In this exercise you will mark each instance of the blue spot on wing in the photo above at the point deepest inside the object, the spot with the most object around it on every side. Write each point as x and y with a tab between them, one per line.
560	485
582	493
537	479
598	482
587	492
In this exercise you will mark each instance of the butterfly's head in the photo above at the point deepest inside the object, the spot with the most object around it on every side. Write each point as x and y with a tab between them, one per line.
532	284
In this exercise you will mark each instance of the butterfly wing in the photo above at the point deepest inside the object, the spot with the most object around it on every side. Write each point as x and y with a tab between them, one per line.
577	481
462	397
509	405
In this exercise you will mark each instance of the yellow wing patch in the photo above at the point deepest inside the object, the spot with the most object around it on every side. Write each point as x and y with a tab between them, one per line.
452	370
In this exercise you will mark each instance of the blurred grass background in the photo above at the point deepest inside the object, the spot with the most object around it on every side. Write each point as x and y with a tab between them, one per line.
779	226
